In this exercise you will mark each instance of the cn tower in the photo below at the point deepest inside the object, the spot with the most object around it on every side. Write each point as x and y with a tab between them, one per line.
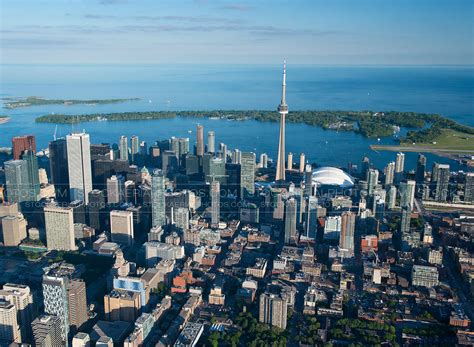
283	111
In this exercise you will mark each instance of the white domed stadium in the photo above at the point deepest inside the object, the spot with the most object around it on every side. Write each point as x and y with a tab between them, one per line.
332	176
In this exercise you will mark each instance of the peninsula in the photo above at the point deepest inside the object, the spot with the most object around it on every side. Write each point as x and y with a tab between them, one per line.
12	103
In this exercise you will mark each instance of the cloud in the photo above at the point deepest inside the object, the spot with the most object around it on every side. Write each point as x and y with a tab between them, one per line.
22	42
112	2
190	19
236	7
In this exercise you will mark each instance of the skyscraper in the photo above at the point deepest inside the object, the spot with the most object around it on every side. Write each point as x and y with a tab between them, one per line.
247	174
77	303
290	221
273	309
215	202
405	222
58	164
211	142
13	229
121	227
47	331
199	140
392	197
59	223
372	180
440	181
302	162
123	148
79	166
389	173
115	189
158	217
96	209
181	217
364	166
33	175
55	299
420	176
236	156
223	151
407	193
16	177
263	163
21	144
311	222
469	187
420	169
283	111
20	296
9	328
308	181
346	241
81	340
135	148
290	161
399	167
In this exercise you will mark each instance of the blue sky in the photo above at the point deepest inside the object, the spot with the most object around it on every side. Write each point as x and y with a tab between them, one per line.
348	32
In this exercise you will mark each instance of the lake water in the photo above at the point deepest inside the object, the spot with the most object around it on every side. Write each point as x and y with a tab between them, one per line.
445	90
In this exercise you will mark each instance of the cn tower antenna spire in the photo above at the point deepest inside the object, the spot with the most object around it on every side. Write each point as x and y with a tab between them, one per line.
283	85
283	111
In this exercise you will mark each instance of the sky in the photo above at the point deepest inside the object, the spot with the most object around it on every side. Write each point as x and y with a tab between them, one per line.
327	32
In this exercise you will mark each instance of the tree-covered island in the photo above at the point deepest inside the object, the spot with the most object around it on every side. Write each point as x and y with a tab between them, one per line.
367	123
11	103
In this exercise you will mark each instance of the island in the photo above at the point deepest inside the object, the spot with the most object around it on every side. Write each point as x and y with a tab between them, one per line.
12	103
368	123
444	136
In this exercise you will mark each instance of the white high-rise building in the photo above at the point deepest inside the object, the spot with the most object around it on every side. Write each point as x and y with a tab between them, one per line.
9	329
389	173
79	166
56	303
121	226
407	194
211	142
59	223
81	340
123	148
399	167
20	296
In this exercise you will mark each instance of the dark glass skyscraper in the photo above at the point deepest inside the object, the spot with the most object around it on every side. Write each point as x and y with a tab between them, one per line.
158	217
59	169
33	176
440	181
16	176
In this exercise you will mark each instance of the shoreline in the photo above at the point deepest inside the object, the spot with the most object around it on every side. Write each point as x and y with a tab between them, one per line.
424	149
12	103
453	154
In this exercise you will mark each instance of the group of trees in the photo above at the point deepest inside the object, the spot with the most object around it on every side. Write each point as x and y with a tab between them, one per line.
367	123
365	332
250	332
438	124
36	101
307	330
